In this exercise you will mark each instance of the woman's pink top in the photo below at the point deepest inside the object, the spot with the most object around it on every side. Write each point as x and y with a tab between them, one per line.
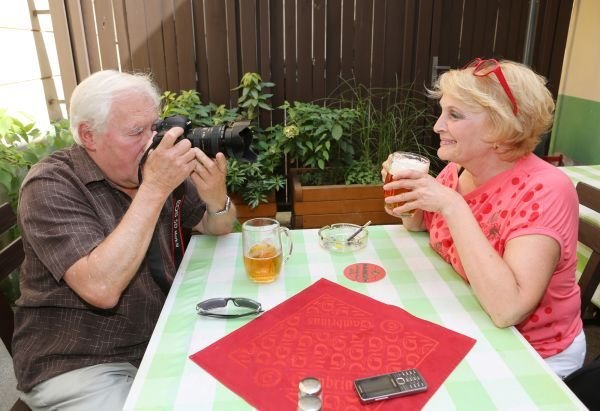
533	197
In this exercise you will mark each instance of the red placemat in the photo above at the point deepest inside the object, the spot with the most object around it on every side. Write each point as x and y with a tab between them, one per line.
337	335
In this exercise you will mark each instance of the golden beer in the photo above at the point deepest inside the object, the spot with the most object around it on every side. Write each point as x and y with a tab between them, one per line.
403	161
263	263
389	193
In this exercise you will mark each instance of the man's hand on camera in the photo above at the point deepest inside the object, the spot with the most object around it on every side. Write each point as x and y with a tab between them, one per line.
209	177
170	163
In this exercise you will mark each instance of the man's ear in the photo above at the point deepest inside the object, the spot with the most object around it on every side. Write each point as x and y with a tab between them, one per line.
87	136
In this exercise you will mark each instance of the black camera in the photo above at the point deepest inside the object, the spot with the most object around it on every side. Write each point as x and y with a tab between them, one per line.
232	140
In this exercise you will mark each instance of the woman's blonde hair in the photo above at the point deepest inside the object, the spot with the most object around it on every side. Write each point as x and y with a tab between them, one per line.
517	135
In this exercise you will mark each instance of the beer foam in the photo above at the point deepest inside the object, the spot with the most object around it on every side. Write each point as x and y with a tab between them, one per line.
408	164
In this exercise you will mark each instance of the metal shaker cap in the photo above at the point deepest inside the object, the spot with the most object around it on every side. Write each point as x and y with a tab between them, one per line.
309	403
309	386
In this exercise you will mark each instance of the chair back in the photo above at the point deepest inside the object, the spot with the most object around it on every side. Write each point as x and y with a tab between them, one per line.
589	235
556	160
584	384
11	258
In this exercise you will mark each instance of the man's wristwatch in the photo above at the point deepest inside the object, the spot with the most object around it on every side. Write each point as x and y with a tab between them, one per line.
224	210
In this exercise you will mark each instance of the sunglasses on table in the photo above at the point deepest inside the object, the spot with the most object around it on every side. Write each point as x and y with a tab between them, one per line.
210	307
483	68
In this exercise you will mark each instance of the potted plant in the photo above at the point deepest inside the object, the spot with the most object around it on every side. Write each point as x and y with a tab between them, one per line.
252	184
343	141
22	145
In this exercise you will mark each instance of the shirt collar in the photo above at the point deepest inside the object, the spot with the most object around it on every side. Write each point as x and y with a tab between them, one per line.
87	170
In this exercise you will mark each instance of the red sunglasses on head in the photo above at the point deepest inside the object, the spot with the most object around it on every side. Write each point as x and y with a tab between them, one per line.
482	68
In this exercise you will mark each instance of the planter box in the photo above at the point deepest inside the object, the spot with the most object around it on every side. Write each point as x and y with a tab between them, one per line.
316	206
245	212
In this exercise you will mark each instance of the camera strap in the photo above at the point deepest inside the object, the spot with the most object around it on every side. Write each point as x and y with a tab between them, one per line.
177	244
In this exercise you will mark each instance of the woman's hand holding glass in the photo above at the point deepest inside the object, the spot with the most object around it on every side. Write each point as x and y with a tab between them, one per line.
424	193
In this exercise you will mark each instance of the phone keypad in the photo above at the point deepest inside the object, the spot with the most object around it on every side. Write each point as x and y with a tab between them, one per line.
409	380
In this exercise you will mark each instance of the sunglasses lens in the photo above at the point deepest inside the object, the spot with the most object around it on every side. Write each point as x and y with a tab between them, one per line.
247	303
213	303
485	67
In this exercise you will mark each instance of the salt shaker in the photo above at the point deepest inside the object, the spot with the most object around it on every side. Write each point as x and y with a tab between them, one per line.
309	395
309	386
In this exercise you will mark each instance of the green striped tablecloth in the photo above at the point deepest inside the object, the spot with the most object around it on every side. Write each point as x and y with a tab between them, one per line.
591	176
501	371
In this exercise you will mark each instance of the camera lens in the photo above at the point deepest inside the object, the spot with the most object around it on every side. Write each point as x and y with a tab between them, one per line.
233	141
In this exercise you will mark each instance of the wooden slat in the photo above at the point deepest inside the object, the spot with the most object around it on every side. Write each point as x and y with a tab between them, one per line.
318	69
248	36
11	257
290	49
362	41
263	54
216	48
7	217
65	57
170	45
407	52
488	34
422	54
501	45
589	196
333	48
136	23
105	28
122	37
184	32
277	61
79	45
201	53
334	206
379	44
347	39
89	26
561	30
320	220
304	43
154	39
394	39
233	51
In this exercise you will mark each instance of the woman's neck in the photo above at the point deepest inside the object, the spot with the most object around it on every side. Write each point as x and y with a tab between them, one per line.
478	173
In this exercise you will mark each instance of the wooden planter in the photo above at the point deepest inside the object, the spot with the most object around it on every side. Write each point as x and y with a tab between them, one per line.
245	212
316	206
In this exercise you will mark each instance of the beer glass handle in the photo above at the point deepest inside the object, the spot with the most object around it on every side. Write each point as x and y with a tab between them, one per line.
288	241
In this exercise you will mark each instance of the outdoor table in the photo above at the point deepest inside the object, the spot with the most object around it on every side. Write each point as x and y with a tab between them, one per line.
502	371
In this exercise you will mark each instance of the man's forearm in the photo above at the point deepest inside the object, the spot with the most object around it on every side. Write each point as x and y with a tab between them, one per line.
102	276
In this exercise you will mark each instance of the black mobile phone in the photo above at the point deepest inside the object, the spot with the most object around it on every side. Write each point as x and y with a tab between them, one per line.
390	385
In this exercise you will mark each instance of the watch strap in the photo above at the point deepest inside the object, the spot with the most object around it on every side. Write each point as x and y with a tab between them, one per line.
224	210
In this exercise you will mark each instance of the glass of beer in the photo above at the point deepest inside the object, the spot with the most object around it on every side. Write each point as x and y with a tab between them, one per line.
401	160
264	254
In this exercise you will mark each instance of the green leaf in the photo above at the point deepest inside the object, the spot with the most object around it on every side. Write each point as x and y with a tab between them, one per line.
337	132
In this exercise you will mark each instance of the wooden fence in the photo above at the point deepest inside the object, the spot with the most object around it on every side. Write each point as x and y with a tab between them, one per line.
303	46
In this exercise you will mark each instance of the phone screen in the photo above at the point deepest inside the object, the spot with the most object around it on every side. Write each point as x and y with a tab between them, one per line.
377	386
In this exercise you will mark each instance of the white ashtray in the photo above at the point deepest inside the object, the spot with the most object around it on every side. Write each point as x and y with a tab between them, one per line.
334	237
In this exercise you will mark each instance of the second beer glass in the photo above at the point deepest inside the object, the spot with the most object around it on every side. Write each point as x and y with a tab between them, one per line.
403	161
264	253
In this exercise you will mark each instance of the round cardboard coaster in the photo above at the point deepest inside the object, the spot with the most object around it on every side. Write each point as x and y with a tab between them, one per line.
364	272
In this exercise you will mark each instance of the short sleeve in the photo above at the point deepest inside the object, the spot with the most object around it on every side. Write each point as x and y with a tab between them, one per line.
57	222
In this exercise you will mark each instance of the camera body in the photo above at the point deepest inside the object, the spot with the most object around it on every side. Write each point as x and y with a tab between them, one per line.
232	140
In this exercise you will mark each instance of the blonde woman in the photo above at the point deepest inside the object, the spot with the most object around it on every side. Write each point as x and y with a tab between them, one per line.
506	220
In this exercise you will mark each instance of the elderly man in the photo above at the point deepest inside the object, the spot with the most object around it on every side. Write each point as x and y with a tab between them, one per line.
98	244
